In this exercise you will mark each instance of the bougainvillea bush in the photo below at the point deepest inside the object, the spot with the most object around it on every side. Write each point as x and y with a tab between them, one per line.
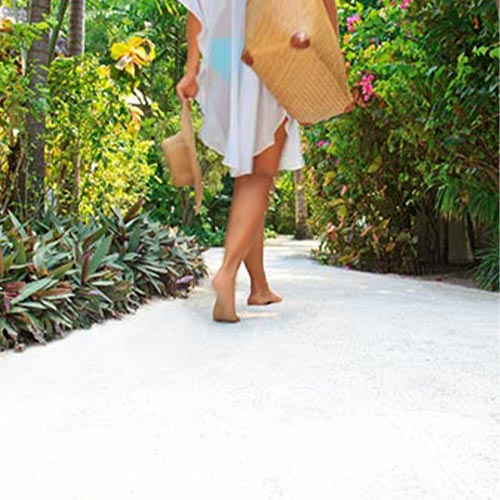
421	147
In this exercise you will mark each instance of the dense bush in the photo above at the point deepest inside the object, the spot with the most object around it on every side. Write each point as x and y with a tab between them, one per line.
57	275
281	214
106	115
96	156
423	144
16	100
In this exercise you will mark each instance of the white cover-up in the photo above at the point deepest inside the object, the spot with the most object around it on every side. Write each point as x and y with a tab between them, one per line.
240	116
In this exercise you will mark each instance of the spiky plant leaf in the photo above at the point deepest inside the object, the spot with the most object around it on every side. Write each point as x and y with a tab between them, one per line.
32	288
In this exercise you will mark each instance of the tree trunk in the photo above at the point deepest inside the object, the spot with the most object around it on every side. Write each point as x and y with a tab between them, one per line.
76	33
76	47
302	231
63	7
31	182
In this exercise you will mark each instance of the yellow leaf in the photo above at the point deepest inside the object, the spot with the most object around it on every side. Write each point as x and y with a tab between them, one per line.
141	57
118	50
342	211
337	202
375	166
135	42
130	69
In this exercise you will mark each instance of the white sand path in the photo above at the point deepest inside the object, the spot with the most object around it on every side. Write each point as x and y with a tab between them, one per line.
357	387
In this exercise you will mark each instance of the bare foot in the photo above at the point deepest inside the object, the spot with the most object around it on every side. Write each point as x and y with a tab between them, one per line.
263	298
224	308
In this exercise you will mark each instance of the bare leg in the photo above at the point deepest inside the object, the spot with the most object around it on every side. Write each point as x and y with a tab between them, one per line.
248	209
260	291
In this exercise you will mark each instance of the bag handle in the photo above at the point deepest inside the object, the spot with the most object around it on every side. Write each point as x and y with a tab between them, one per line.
188	131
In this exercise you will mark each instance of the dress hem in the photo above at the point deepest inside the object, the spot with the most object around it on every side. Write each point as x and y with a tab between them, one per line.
234	169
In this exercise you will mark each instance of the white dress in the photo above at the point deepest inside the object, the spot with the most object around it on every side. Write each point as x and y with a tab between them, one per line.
240	116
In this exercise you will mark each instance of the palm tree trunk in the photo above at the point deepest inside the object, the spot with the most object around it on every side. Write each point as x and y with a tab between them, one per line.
77	28
31	181
302	231
76	47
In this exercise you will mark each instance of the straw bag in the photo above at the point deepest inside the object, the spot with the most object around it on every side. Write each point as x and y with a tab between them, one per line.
293	47
180	152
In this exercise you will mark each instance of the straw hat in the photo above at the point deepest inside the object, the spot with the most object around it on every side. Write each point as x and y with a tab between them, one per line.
294	49
180	152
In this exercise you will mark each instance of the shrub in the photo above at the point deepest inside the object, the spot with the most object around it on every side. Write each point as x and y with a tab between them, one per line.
424	143
281	214
16	100
96	156
57	275
106	115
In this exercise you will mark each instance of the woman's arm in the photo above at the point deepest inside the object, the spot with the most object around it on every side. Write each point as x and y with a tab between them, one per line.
193	56
188	86
331	8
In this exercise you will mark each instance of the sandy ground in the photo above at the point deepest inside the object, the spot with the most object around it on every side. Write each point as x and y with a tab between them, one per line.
356	387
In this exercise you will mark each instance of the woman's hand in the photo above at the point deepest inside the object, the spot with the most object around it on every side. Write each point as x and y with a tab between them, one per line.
188	88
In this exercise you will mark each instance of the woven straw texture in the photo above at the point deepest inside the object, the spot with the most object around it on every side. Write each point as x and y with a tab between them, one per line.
180	152
310	83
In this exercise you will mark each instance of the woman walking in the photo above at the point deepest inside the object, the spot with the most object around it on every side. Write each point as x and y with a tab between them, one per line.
245	124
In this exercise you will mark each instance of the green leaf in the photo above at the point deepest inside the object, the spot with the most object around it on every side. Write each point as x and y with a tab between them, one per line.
60	271
495	53
32	288
100	252
34	305
134	210
95	236
7	328
17	224
20	254
7	263
135	239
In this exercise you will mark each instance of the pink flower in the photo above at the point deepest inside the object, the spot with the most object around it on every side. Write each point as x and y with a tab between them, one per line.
404	4
352	21
367	88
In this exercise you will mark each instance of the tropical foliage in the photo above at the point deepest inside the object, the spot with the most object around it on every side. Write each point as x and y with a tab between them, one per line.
423	147
56	275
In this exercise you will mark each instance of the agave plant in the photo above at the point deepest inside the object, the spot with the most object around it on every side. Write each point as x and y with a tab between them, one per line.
57	275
